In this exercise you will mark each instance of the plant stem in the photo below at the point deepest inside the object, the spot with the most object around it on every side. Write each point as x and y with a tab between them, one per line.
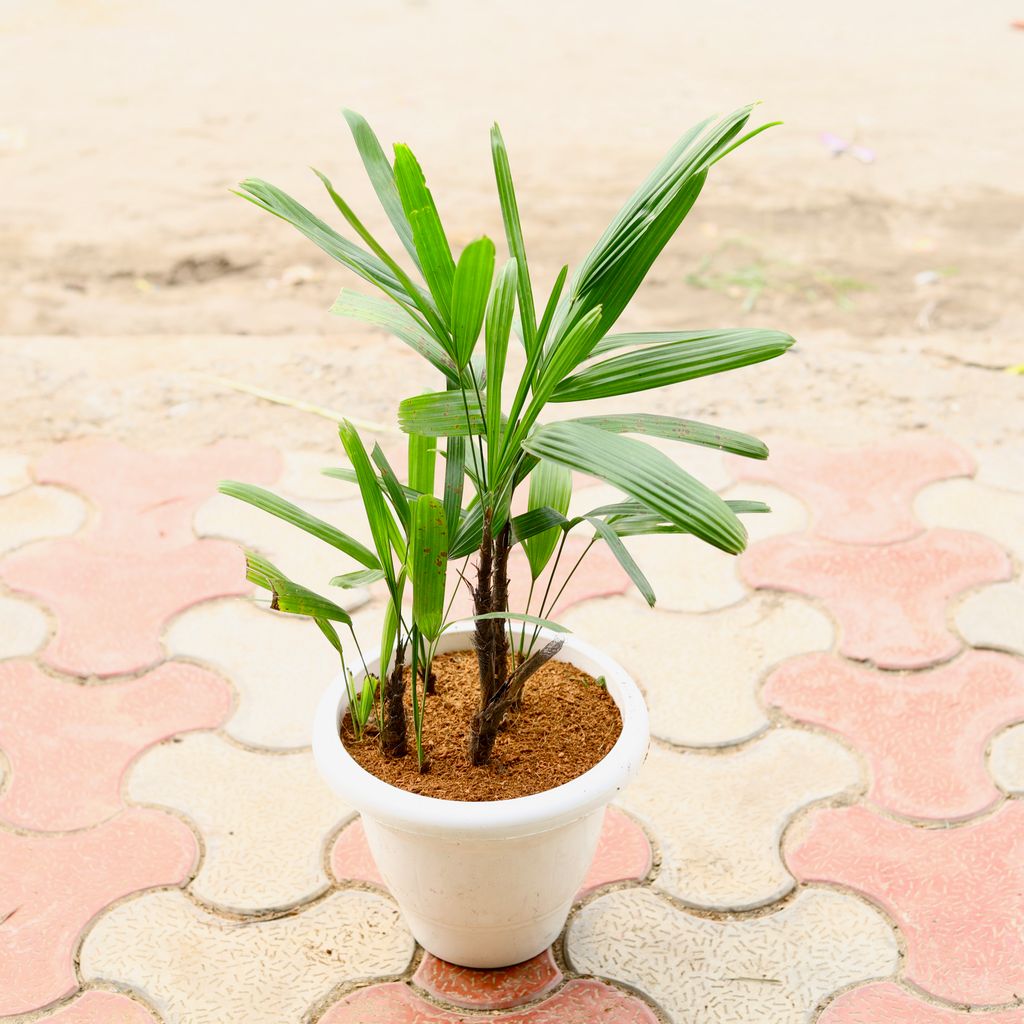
490	638
392	736
417	707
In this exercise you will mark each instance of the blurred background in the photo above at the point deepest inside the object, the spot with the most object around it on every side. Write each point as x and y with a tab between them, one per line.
883	224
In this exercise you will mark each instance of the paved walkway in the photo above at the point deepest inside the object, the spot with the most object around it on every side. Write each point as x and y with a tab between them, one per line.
828	827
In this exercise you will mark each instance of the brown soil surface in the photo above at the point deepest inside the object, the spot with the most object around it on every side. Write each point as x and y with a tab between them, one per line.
566	724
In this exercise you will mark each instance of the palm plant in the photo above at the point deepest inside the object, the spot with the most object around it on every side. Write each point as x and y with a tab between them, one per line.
440	306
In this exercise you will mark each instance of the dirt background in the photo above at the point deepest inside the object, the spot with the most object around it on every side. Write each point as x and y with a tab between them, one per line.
128	272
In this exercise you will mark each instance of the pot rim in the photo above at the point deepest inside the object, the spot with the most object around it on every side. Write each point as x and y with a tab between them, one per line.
517	816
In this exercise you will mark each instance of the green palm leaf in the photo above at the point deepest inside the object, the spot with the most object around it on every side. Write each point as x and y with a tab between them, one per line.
645	474
428	555
382	177
269	502
395	320
428	234
441	414
289	596
551	488
672	362
471	287
514	237
382	525
673	429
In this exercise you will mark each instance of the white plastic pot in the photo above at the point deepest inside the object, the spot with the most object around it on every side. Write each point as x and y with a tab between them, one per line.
487	883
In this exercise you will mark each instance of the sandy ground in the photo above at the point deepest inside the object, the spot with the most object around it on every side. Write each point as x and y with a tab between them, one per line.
128	271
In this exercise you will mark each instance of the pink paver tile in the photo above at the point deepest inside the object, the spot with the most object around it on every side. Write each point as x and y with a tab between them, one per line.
957	894
887	1003
51	886
580	1002
96	1007
924	734
351	860
890	601
599	575
70	745
623	854
111	602
488	990
859	495
150	497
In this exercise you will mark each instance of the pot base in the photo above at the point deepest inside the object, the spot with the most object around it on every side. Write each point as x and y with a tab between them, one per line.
486	902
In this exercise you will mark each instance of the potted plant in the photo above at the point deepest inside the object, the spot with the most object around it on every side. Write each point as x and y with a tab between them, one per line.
487	882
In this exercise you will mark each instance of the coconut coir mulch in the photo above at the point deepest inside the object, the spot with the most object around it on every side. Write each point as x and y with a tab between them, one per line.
566	723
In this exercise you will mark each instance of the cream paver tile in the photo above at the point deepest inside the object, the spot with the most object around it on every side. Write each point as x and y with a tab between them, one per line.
775	968
788	514
23	627
994	617
14	472
1006	759
1002	467
264	822
35	513
196	968
701	684
719	819
686	574
968	505
302	479
302	557
279	663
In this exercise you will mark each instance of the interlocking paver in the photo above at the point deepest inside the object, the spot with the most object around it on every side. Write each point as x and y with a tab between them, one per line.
890	601
718	817
718	820
302	478
579	1002
686	574
1002	466
111	602
1006	761
775	968
859	495
52	885
488	990
98	1007
788	514
623	854
924	733
265	821
70	745
14	472
37	513
193	967
23	627
150	496
994	617
700	683
956	894
280	665
350	858
299	555
968	505
887	1003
